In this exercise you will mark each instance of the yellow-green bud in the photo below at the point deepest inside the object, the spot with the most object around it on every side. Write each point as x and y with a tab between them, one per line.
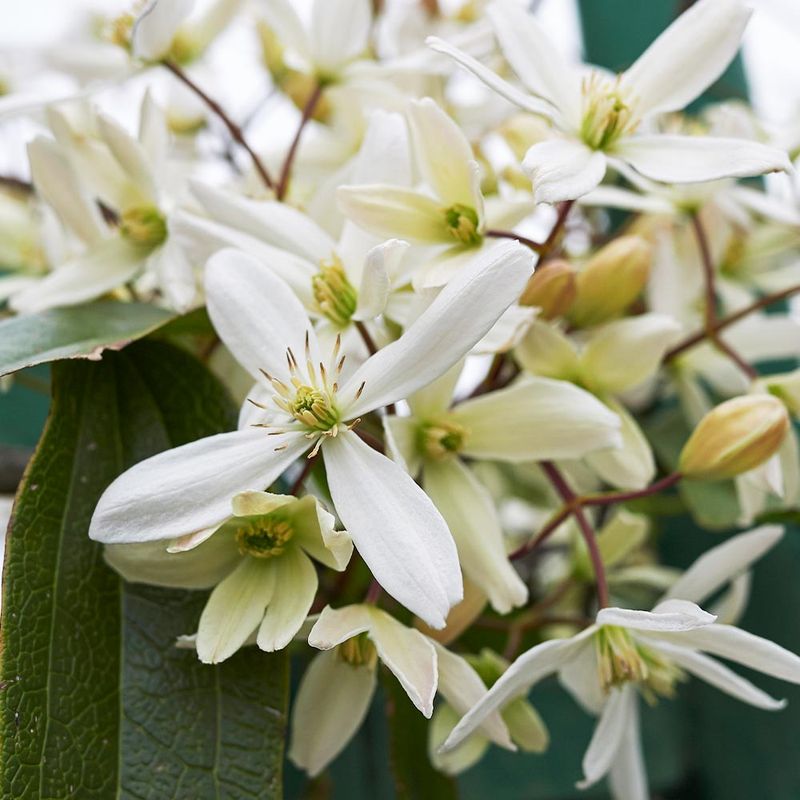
734	437
611	280
462	224
144	225
552	289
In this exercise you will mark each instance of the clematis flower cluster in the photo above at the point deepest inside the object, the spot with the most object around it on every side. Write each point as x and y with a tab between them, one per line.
455	367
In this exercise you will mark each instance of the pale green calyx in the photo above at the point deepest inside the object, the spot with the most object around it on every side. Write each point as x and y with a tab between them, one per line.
335	296
621	660
144	226
441	438
263	536
358	651
607	114
462	224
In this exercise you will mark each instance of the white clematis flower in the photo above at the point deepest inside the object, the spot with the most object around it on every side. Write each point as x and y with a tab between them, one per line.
600	116
649	651
398	531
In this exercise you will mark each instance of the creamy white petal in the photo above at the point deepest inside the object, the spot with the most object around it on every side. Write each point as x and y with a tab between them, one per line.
695	159
536	419
345	692
732	604
563	169
624	353
460	316
719	676
628	775
175	274
256	314
670	616
234	609
617	197
339	31
156	27
337	625
492	79
131	157
535	59
381	265
409	655
469	511
608	735
293	593
190	487
389	211
723	563
398	531
433	400
154	133
548	352
401	436
581	678
688	56
443	153
315	531
461	758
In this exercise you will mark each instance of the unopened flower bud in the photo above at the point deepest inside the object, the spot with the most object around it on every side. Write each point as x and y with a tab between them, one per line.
611	280
552	289
734	437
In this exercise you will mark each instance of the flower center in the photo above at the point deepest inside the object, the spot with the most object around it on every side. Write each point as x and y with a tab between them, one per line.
335	296
358	651
440	439
607	113
462	224
622	660
263	536
144	225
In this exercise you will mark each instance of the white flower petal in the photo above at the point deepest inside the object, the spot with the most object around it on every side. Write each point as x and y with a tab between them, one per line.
131	157
175	274
536	419
445	332
532	104
628	776
563	169
397	531
548	352
345	692
154	133
719	676
315	531
688	56
294	590
617	197
469	511
733	602
381	265
433	400
234	609
608	735
156	27
401	435
462	757
669	616
580	677
256	314
337	625
190	487
339	31
536	61
723	563
695	159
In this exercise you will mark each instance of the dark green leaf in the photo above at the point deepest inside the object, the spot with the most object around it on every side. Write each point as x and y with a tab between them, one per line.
75	332
97	701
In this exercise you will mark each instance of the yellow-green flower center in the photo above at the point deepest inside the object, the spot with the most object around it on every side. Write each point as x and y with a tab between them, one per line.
263	536
144	225
335	296
442	438
314	408
462	224
620	660
358	651
607	113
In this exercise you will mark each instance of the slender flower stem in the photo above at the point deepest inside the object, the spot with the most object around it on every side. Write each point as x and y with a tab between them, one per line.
373	593
701	335
572	501
235	131
624	497
286	171
17	184
555	231
365	335
552	525
711	322
498	234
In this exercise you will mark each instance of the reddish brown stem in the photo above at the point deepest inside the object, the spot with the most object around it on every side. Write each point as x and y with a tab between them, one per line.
624	497
498	234
286	171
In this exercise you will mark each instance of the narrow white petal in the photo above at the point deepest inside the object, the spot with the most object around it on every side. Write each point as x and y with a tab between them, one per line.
688	56
154	133
617	197
462	757
131	157
339	31
409	655
337	625
536	419
719	676
433	400
397	531
723	563
294	590
563	169
669	616
401	435
190	487
315	531
536	61
469	511
345	692
156	27
459	317
732	604
628	775
234	610
492	79
580	677
608	735
255	313
381	265
695	159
